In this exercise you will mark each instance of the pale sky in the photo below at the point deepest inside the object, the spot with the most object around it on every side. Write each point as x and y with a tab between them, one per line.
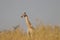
47	11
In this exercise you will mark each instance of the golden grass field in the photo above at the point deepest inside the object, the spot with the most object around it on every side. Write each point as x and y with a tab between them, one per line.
41	32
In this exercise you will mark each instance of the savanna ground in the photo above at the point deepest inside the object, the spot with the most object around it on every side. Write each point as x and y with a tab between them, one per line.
42	32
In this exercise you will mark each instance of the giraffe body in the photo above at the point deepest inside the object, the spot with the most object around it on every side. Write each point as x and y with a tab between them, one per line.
29	25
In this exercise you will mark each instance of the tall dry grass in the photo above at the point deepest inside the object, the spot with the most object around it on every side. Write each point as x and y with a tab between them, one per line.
41	32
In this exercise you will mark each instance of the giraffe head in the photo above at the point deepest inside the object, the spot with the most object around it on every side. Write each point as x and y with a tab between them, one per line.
24	15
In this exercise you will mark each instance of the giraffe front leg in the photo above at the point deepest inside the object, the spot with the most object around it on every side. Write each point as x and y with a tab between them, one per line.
28	35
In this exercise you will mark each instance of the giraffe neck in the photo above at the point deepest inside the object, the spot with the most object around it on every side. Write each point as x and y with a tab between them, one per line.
28	22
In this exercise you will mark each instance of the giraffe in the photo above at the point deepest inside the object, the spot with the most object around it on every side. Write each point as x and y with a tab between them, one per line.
29	25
